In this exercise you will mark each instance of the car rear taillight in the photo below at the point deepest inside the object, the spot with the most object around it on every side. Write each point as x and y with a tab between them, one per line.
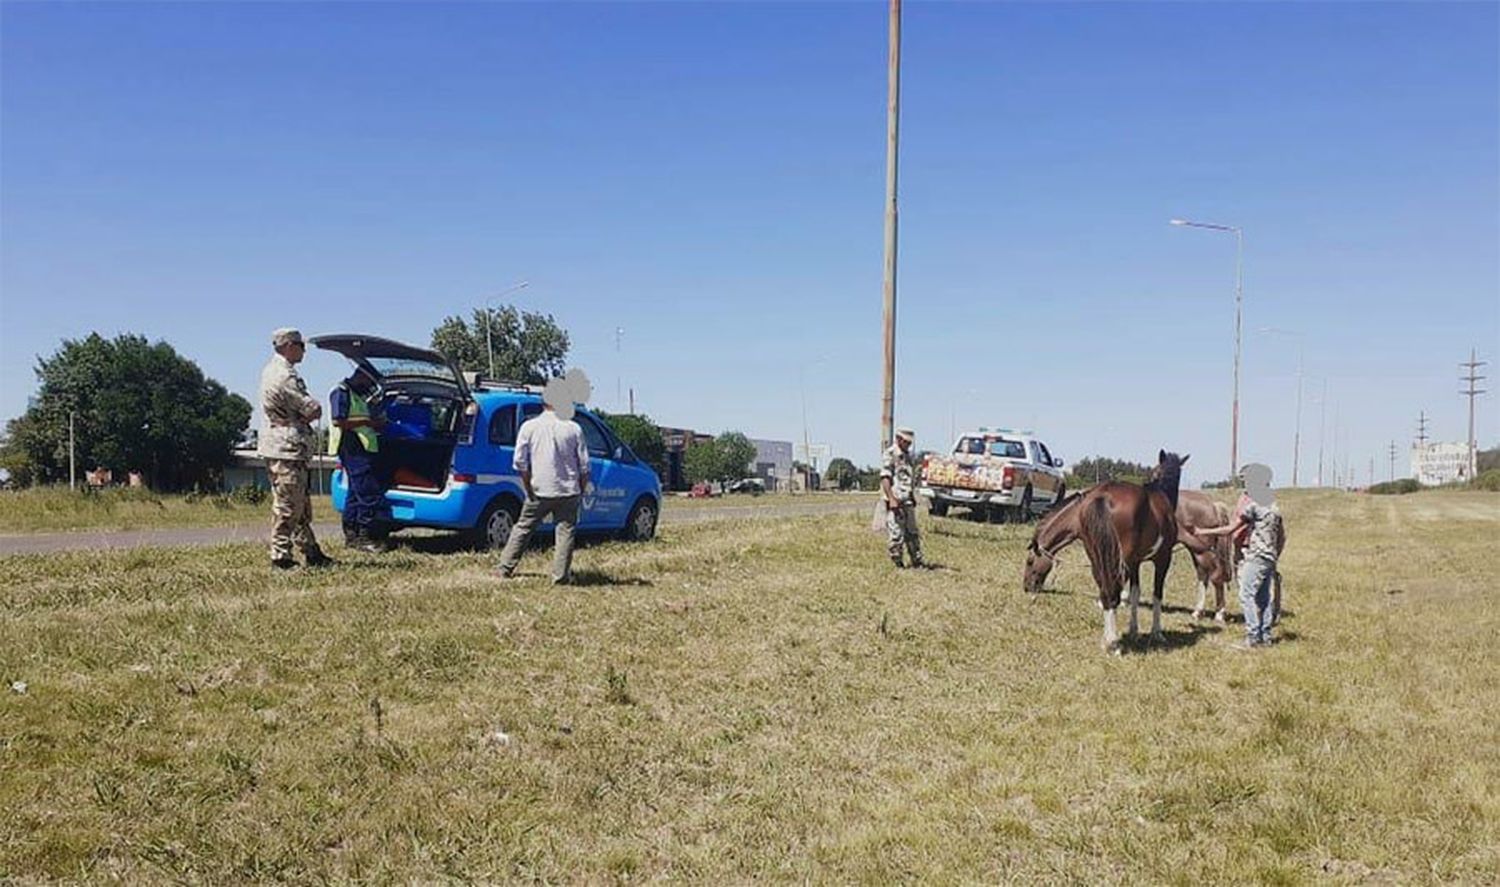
464	478
1008	478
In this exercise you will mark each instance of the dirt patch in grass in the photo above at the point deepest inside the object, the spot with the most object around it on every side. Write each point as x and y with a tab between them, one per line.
750	700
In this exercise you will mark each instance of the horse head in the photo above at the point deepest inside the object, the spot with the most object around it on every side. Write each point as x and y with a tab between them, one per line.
1168	467
1038	565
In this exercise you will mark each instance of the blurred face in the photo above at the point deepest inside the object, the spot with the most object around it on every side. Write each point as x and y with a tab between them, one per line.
903	443
293	351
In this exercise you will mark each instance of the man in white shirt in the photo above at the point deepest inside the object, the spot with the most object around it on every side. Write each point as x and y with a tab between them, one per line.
553	460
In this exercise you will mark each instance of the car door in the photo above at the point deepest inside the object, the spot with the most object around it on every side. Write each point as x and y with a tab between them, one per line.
1048	478
603	506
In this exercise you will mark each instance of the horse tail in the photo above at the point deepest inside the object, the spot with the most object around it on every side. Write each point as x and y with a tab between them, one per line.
1102	546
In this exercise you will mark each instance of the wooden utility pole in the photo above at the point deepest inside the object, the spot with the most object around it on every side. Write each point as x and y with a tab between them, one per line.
1422	430
1393	460
1472	392
892	138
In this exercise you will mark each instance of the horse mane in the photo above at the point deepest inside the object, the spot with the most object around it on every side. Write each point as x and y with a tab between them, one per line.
1061	510
1102	546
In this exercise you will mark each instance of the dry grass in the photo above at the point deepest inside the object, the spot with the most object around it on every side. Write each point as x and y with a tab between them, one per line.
59	509
755	700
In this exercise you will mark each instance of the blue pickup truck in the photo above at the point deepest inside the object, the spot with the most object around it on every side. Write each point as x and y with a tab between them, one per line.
447	450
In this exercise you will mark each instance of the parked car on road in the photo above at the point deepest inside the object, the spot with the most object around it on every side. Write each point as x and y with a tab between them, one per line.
447	450
752	485
996	474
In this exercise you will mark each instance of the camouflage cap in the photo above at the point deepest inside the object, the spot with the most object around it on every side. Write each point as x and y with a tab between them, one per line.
286	336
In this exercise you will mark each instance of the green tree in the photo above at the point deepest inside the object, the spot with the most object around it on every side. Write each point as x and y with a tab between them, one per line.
642	436
842	474
736	452
136	406
701	462
1098	469
528	347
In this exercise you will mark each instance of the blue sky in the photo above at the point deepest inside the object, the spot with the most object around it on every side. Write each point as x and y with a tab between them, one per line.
710	177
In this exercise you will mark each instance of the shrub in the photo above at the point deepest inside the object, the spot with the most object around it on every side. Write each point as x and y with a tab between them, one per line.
1396	487
249	494
1488	480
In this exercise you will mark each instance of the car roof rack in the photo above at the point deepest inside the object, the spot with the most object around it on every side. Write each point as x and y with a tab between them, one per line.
478	382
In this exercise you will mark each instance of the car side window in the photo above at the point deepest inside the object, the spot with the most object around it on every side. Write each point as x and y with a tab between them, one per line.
593	435
503	427
1046	456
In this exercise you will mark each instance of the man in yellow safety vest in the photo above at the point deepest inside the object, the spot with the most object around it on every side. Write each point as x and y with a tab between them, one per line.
357	420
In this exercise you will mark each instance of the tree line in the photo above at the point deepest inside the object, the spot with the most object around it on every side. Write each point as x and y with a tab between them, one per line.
137	405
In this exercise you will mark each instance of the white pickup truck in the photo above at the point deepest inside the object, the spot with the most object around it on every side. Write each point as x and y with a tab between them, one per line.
997	474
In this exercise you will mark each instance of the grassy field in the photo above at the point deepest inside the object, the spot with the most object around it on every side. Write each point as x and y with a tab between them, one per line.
756	700
58	509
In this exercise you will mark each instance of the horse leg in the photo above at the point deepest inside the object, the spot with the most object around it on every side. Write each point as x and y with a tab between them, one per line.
1276	597
1203	577
1135	602
1159	581
1109	601
1220	614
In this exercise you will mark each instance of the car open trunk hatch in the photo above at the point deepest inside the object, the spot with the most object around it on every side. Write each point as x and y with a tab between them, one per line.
424	399
391	361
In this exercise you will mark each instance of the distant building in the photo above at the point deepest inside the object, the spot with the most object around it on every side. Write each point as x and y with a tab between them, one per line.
677	441
773	463
247	468
1440	463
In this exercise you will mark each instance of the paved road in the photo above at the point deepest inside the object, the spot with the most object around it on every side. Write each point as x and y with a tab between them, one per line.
42	543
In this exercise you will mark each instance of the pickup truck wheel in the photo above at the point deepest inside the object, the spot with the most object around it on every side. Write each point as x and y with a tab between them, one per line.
936	508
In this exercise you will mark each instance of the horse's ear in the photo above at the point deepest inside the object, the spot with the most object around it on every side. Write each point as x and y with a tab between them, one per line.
1161	455
1185	458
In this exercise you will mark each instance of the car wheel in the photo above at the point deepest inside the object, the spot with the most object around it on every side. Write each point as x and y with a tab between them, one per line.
641	525
495	524
936	508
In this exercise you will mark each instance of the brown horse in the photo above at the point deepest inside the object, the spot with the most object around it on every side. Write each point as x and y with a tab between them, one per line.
1062	525
1196	511
1123	526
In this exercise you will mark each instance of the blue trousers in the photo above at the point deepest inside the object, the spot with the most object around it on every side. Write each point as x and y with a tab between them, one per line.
365	508
1256	574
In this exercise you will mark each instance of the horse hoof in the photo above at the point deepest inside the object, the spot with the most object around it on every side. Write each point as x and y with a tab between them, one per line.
1197	614
1219	618
1158	638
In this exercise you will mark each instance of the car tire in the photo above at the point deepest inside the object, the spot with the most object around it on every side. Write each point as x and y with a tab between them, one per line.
936	508
495	524
641	525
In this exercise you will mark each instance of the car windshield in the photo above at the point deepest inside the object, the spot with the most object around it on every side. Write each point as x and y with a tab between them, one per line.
1008	449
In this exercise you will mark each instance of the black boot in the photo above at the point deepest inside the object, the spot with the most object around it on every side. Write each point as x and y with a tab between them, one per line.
316	558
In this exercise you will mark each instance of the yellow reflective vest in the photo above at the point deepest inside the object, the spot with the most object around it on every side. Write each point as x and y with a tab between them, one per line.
358	409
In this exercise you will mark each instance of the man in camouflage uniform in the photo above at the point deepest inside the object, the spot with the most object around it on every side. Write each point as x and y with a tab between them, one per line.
898	483
286	443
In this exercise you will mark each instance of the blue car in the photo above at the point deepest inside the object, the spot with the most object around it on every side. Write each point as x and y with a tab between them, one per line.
447	446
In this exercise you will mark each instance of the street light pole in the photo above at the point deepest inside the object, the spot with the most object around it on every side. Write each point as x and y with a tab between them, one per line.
489	344
1239	256
892	139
